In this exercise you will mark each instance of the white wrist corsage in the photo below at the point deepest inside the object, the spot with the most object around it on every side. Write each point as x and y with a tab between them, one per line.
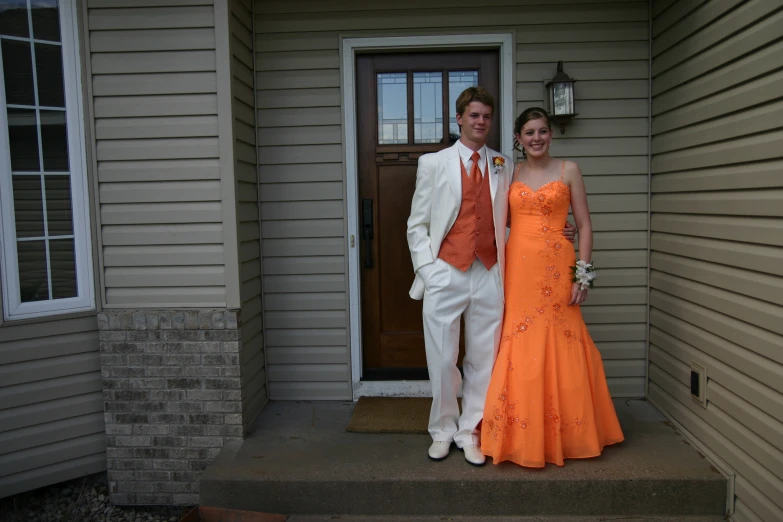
584	274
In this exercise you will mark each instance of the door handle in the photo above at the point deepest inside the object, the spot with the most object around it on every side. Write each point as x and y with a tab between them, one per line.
367	231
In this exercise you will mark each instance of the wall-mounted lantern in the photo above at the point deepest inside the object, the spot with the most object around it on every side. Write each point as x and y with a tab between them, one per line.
560	97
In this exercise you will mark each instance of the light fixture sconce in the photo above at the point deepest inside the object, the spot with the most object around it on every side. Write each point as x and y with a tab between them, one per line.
560	98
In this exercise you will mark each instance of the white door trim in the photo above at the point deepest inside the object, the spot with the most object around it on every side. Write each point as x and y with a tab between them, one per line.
506	109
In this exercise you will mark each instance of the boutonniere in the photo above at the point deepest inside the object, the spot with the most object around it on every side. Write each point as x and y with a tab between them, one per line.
498	162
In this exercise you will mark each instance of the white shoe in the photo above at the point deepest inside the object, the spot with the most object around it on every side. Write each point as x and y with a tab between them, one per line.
473	455
439	450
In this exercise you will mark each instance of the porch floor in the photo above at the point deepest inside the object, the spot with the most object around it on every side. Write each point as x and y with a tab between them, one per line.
299	460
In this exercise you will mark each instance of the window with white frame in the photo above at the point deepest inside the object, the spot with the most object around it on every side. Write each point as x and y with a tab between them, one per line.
46	261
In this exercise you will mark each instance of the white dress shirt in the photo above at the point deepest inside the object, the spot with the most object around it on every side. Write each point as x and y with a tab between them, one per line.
465	153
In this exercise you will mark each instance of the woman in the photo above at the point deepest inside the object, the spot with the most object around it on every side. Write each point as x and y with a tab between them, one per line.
548	399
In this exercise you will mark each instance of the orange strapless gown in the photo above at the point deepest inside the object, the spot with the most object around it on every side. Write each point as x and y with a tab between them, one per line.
547	399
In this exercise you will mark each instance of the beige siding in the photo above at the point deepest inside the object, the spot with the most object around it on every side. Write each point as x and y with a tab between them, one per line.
603	45
717	235
51	407
254	389
154	84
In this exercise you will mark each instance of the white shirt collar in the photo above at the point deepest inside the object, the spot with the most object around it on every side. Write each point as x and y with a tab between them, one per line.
465	153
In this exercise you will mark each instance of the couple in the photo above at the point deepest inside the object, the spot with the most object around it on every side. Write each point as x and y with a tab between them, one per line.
534	389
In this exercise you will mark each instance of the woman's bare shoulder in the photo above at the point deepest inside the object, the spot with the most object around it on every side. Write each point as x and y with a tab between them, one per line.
570	166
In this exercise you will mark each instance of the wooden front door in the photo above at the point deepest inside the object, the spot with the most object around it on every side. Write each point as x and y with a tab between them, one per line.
405	108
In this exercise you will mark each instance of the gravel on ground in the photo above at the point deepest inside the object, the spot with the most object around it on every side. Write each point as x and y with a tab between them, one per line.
81	500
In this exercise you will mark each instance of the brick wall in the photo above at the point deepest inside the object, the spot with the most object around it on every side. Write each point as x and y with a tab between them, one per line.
172	397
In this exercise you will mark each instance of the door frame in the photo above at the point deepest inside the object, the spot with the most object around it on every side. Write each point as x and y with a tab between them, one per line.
504	42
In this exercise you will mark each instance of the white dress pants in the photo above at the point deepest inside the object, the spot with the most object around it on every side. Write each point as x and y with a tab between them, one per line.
450	293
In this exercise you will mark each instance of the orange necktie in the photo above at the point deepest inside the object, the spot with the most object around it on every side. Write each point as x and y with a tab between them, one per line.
475	173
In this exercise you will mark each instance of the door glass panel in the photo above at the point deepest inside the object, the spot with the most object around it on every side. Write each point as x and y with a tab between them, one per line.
392	108
458	82
427	107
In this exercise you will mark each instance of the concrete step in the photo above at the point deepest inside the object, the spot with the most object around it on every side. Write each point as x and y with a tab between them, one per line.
555	518
203	514
299	460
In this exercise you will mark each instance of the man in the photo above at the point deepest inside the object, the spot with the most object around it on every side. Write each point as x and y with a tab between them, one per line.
457	235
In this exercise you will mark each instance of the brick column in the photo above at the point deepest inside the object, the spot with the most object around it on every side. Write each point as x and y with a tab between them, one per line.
172	397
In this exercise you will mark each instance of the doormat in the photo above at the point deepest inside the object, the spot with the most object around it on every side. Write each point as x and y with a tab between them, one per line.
391	415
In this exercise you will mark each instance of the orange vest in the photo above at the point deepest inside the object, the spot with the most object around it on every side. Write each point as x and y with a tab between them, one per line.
473	233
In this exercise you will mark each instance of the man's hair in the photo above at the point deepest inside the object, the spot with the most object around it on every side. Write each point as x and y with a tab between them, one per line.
472	94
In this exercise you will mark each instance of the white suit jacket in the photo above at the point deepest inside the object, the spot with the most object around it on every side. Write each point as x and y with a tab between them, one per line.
436	203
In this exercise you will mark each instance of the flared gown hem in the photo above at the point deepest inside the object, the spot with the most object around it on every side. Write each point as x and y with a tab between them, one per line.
548	398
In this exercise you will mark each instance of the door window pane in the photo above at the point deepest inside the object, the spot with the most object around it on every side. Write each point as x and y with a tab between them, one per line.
49	71
33	281
427	107
18	72
23	138
392	108
13	18
46	20
458	82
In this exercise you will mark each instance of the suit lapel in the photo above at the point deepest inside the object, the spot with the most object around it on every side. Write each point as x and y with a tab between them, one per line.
454	172
495	180
493	177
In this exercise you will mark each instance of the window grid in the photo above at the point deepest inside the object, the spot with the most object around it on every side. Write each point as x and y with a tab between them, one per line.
34	40
37	109
84	298
43	238
40	153
392	108
394	130
428	107
44	107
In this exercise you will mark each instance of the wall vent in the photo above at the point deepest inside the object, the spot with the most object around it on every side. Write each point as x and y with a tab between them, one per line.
699	383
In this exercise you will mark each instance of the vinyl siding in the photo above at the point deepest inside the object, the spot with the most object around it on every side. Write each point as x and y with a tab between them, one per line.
717	235
154	86
603	45
51	405
254	389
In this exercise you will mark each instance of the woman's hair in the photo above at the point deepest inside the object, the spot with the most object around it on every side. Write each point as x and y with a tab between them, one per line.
529	114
